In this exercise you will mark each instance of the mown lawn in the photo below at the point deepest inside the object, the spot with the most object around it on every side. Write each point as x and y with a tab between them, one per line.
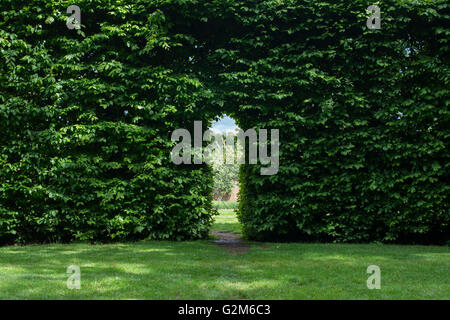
203	270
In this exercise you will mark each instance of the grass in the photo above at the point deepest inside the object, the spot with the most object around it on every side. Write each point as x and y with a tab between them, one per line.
226	221
225	204
202	270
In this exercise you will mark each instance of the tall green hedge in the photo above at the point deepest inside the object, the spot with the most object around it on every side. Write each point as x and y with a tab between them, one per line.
86	118
363	117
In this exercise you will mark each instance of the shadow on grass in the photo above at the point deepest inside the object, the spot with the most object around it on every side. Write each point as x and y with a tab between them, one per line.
200	270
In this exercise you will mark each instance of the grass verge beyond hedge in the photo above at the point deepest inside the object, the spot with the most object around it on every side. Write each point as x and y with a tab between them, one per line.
202	270
225	204
227	221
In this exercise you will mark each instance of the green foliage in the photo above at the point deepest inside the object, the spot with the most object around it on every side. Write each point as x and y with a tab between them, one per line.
363	117
225	176
226	172
86	117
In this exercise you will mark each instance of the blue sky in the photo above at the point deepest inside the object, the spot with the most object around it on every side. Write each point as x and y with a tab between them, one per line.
224	124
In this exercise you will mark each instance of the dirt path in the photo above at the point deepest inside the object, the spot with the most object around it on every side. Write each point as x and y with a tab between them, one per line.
231	242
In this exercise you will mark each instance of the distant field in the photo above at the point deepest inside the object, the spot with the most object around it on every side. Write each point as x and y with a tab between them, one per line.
225	204
227	221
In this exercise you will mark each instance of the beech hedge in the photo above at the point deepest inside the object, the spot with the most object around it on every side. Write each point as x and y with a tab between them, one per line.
86	118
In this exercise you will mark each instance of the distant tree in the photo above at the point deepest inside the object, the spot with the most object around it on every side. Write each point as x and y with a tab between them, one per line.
225	174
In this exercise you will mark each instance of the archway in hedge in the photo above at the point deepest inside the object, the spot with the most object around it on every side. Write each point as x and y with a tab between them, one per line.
74	165
225	163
